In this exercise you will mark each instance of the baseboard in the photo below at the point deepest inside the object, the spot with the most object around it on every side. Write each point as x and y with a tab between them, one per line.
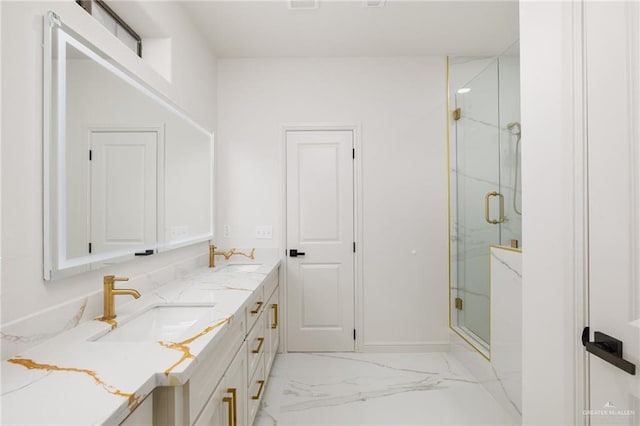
406	347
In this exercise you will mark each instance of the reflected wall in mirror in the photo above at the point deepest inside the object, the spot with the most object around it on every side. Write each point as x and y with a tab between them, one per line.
126	172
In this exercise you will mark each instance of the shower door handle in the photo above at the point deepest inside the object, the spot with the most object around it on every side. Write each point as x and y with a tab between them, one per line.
486	207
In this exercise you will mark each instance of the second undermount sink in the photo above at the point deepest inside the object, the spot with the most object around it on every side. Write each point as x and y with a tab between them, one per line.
163	323
242	267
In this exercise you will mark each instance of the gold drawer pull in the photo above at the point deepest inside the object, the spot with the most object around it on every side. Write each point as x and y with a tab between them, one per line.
257	350
275	315
257	309
234	402
257	396
228	400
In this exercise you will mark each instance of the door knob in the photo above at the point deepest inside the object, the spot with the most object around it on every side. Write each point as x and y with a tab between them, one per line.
296	253
608	348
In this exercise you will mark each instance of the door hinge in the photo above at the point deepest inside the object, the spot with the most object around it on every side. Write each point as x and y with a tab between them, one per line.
354	334
458	304
354	246
89	247
90	155
354	153
457	114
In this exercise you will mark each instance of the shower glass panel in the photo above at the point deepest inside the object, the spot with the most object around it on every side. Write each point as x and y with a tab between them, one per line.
484	183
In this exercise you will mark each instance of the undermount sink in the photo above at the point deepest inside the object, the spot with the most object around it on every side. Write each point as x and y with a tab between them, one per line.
242	267
163	322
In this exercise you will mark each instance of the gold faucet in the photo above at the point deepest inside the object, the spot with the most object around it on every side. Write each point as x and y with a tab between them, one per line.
110	292
213	253
227	254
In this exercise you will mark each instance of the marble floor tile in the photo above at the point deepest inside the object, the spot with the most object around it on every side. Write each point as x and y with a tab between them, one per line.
375	389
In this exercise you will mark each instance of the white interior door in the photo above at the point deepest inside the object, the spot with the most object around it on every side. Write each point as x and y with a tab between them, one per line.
320	208
123	189
613	120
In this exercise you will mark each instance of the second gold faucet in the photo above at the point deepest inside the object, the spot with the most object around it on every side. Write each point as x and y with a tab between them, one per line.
227	254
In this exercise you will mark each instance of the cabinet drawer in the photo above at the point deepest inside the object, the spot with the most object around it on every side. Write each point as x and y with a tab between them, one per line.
256	388
270	283
272	329
254	307
227	404
257	344
212	368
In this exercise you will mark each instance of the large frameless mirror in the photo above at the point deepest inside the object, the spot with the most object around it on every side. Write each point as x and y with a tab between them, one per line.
126	172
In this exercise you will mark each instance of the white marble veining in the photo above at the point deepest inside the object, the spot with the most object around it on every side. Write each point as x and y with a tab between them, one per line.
18	336
501	376
506	323
72	379
375	389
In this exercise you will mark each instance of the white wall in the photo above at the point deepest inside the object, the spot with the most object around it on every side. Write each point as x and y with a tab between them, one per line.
400	104
193	87
551	271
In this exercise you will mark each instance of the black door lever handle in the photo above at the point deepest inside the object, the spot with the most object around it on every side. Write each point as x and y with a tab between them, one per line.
296	253
608	348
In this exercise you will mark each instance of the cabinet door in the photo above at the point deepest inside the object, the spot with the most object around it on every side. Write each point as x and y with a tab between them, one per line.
218	411
236	384
273	330
227	406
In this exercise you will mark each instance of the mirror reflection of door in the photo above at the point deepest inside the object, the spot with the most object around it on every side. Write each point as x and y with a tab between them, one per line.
123	167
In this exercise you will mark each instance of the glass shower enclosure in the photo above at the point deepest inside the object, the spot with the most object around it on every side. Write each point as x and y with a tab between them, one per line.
485	185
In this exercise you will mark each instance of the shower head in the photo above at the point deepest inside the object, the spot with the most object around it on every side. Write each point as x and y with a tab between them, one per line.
514	125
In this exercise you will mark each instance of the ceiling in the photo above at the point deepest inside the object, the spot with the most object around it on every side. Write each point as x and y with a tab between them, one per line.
269	28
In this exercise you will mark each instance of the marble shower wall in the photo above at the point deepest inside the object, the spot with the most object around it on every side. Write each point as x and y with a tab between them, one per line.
506	322
502	375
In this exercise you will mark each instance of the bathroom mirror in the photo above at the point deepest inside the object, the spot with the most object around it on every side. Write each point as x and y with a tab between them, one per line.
126	172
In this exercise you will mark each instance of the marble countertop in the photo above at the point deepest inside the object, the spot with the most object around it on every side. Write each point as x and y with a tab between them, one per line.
73	379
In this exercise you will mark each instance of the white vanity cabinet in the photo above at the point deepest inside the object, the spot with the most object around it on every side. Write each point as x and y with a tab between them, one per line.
229	382
272	325
267	327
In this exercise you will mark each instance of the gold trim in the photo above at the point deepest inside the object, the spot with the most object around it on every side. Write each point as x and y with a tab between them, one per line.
485	356
499	247
448	184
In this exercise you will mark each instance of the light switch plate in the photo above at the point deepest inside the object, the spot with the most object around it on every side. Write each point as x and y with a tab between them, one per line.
227	231
264	232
